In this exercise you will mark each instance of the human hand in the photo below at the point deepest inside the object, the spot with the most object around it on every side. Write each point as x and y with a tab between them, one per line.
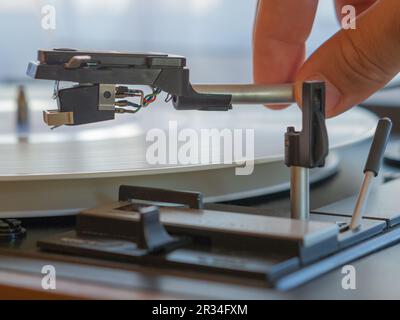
354	63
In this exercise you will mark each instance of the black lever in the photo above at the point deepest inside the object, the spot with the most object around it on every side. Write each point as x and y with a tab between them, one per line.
152	235
378	147
371	169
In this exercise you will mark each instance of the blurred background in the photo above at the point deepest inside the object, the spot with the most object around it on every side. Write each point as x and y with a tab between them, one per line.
215	35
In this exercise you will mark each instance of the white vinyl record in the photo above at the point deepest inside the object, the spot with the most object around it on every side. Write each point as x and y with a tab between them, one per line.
61	171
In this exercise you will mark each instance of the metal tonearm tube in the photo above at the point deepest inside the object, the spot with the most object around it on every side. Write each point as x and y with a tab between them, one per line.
251	93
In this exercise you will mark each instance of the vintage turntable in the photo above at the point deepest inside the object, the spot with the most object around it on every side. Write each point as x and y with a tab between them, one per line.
176	233
59	166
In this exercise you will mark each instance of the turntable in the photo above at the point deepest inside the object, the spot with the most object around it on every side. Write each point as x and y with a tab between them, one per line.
137	218
59	166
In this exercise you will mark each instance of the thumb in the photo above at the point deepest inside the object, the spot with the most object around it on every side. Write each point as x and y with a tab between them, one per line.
355	63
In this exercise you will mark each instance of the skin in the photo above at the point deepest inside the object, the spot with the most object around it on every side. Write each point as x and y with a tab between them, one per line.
353	63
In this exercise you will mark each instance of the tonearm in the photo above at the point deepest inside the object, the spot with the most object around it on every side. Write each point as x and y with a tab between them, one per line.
98	95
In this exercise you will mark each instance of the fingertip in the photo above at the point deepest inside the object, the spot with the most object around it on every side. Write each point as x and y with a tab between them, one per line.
276	106
333	97
330	114
298	90
338	109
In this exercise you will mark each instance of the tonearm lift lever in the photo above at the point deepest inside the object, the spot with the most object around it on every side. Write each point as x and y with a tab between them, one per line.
98	97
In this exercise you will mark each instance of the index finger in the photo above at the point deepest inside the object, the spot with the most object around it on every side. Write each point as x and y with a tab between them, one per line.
280	31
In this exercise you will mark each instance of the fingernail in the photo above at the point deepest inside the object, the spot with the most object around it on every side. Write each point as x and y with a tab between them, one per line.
332	94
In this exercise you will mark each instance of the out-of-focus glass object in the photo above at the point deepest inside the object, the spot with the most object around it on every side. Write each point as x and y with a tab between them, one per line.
215	35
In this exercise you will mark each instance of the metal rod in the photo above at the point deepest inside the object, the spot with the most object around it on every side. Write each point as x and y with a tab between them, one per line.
299	193
22	115
251	93
362	200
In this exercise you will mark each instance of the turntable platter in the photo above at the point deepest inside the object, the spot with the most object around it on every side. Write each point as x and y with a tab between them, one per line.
61	171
